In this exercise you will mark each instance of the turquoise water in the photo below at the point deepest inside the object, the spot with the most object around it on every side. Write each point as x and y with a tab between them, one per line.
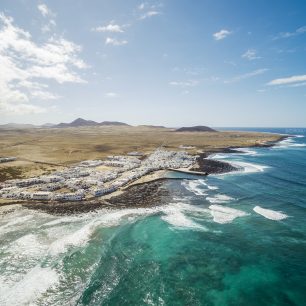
192	251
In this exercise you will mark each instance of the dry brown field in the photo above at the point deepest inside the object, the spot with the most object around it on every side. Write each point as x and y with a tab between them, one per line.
41	151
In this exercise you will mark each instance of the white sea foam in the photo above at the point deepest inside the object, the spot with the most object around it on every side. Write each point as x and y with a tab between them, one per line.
289	142
193	186
212	187
105	218
246	151
174	215
222	214
27	245
17	220
77	238
298	145
183	207
62	220
179	220
218	156
208	186
269	213
248	167
219	198
25	292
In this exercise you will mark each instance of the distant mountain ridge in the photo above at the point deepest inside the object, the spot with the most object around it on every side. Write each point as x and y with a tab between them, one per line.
16	126
198	128
82	122
79	122
152	126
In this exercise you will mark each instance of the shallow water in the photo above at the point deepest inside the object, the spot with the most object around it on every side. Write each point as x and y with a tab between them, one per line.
209	246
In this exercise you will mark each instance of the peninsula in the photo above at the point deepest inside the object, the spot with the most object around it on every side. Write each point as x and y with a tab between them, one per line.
87	163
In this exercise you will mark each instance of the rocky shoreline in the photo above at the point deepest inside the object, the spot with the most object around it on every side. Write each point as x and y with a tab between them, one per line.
136	196
211	166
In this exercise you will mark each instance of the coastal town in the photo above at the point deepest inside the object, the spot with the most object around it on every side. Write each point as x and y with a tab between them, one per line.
94	178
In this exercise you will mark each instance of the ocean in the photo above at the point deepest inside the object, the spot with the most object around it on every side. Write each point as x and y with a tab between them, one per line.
230	239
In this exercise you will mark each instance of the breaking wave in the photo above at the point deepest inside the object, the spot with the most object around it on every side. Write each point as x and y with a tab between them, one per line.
245	167
289	142
246	151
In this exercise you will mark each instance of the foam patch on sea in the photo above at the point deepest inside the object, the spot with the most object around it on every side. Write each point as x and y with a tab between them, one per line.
195	186
219	198
270	214
223	214
179	220
30	288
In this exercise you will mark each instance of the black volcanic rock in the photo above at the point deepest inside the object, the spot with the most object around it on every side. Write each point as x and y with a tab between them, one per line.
211	166
198	128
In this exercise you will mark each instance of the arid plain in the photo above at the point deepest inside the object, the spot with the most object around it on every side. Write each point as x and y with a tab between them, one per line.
43	150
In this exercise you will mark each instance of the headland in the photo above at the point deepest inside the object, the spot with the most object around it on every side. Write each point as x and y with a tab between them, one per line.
77	169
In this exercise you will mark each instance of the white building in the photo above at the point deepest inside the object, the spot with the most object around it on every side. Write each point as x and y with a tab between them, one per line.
41	195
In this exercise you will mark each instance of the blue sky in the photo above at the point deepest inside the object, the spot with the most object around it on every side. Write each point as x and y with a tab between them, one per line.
169	62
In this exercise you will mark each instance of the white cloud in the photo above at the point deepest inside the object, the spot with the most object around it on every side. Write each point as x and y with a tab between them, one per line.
189	83
115	42
49	26
302	84
22	109
221	34
250	54
246	75
149	14
232	63
49	15
43	95
299	31
290	80
44	10
113	28
141	6
111	95
25	65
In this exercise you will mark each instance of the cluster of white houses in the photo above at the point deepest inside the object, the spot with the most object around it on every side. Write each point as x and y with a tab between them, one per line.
85	180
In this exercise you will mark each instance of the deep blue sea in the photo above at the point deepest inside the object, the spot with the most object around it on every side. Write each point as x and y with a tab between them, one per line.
232	239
